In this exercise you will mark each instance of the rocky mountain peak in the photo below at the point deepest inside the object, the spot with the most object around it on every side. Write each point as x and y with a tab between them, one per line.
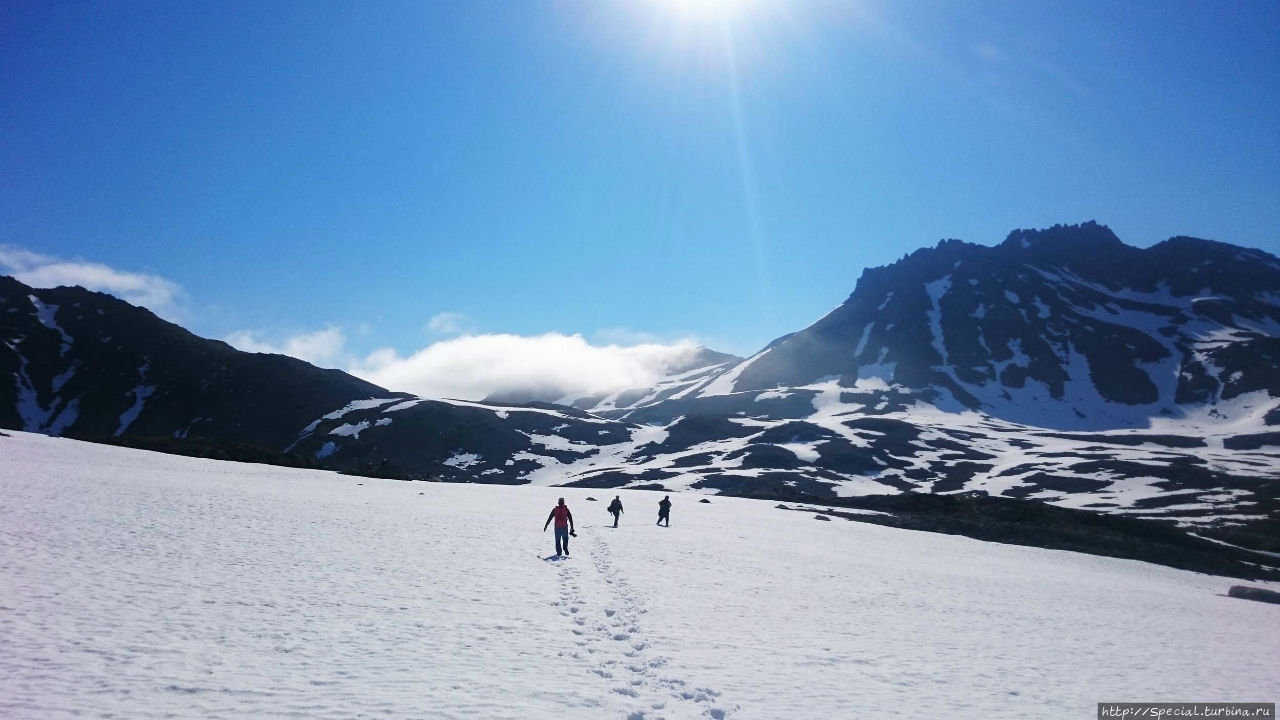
1068	324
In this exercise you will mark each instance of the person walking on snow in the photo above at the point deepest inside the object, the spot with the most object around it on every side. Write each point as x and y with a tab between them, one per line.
615	507
564	526
664	510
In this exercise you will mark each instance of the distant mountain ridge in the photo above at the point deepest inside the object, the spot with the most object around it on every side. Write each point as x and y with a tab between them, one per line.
1061	366
1105	334
90	365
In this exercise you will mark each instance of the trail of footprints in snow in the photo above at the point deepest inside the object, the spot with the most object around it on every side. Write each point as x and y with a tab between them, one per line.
607	638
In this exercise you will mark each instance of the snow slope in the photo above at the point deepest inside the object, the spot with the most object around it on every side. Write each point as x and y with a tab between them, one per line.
143	585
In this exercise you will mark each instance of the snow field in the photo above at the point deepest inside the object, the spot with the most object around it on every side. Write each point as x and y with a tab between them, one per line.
141	585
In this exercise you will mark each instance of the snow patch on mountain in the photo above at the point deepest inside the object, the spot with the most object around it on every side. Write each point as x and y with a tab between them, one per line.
673	386
64	417
60	380
557	442
358	405
34	415
403	405
877	375
140	393
724	384
862	341
351	430
612	457
507	410
462	460
353	406
936	290
47	316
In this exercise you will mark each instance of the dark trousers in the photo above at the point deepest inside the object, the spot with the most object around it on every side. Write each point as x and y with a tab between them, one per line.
615	519
562	539
663	516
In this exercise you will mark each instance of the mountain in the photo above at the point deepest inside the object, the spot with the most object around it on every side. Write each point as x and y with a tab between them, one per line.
89	365
456	440
1066	328
1060	366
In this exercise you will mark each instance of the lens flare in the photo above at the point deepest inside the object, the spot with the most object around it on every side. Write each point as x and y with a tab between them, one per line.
705	8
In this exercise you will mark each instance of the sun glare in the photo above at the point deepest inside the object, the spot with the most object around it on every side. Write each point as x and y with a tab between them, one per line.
707	10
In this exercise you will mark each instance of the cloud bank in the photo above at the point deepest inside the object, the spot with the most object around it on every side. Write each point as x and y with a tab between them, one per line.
553	365
468	366
159	295
474	367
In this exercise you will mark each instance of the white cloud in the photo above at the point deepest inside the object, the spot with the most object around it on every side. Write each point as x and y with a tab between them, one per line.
324	348
449	323
160	295
552	365
469	367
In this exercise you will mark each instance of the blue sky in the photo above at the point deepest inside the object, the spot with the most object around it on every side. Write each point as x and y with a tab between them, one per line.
650	170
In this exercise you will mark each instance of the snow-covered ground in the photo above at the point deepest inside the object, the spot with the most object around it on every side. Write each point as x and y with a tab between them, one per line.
140	585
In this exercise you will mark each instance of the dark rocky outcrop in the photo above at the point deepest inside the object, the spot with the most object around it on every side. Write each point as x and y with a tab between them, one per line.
1245	592
1038	525
85	364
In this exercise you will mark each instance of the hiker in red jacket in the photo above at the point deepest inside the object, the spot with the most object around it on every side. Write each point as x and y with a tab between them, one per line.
564	526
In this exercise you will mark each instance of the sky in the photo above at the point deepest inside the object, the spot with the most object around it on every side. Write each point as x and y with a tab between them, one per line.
415	191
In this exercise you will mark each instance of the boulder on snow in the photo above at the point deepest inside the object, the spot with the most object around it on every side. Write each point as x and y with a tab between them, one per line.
1244	592
704	500
822	517
590	499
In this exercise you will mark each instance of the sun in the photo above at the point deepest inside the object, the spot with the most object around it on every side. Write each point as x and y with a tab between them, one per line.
706	10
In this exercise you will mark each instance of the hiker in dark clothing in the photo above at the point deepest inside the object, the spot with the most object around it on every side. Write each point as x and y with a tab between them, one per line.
664	510
615	507
564	526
